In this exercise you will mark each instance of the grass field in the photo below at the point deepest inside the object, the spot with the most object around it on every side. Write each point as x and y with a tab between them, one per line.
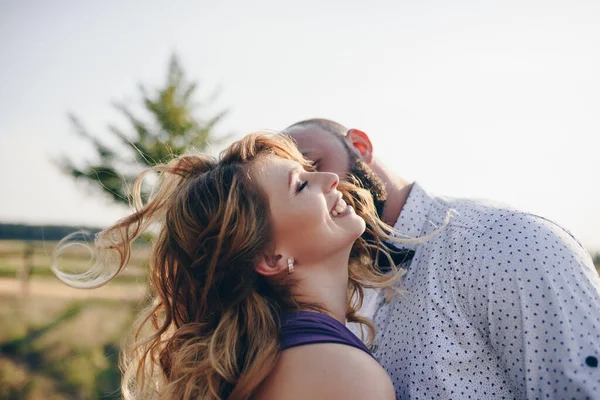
57	342
56	348
14	252
62	343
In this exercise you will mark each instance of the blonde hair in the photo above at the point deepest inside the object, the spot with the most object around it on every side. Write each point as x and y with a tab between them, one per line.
212	329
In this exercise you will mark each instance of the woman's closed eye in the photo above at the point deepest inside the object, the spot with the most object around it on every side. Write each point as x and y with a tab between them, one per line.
301	186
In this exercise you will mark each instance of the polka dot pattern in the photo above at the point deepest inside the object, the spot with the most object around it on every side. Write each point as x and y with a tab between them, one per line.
500	304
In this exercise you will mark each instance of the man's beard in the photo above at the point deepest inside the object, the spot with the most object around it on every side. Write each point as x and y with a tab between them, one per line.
369	181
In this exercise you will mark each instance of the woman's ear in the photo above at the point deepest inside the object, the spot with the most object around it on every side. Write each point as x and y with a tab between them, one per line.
361	142
271	265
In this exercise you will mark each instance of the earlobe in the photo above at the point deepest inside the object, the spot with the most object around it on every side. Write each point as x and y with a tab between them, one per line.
361	142
271	265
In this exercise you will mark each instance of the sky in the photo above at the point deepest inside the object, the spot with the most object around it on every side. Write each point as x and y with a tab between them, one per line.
497	100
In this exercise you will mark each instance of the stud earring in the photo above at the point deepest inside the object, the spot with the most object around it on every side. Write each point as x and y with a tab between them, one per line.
290	266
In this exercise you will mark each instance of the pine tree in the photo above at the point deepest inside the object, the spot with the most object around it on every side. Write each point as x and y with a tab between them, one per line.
171	131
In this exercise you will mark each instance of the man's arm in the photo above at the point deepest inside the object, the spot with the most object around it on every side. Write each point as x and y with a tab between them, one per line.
535	293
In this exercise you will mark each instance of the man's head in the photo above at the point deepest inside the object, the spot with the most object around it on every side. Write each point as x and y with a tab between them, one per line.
333	148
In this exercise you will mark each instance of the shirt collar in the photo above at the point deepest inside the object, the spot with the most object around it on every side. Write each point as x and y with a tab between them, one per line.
412	221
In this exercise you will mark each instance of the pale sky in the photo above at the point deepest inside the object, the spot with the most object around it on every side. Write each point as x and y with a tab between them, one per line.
486	99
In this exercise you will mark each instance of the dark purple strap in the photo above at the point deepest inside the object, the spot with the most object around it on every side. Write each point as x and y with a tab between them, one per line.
306	327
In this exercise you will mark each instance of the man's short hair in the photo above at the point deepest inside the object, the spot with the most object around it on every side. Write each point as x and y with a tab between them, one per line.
325	124
329	126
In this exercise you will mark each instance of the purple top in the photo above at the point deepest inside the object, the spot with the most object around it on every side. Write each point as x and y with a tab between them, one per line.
306	327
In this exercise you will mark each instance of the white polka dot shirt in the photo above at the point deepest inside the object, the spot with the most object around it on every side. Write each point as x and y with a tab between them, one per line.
500	304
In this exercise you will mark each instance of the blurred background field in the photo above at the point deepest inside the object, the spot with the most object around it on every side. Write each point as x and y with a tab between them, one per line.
57	342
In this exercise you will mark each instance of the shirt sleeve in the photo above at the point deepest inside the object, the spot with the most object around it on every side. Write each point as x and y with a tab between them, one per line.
536	295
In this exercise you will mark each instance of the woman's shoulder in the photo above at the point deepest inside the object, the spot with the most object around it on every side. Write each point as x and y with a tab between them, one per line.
326	371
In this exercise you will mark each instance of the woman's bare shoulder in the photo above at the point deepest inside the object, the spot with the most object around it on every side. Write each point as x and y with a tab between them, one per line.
326	371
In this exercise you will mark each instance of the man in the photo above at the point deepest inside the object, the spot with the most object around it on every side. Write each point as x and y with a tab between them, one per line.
499	304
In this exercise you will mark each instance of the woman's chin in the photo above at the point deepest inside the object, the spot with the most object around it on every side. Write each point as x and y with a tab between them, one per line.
360	225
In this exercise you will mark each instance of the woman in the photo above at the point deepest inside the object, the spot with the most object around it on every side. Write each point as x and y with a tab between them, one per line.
258	264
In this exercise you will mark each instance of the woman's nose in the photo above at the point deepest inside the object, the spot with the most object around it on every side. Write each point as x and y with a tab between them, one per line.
331	181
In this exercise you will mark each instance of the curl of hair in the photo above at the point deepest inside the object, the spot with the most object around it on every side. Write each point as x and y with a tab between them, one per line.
211	330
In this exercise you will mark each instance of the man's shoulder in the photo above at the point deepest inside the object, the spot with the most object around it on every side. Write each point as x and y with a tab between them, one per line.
425	212
486	220
527	231
470	213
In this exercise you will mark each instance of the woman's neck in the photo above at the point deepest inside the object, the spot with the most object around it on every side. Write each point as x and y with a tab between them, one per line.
325	284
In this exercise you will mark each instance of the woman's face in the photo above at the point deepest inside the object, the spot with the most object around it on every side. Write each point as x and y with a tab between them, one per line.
311	221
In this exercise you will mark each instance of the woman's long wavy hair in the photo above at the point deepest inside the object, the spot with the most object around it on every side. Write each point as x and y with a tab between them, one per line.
211	331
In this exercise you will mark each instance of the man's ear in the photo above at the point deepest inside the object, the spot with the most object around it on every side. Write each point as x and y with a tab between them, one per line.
271	265
361	142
